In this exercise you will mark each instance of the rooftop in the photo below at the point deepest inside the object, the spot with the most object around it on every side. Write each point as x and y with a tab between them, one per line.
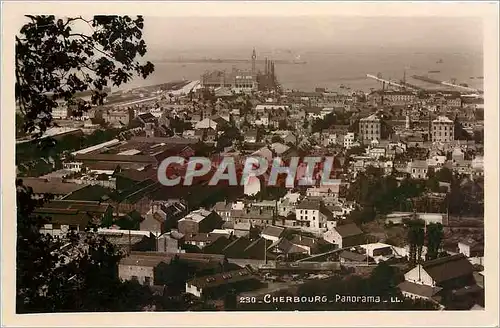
348	230
197	215
221	279
442	119
273	231
51	186
447	268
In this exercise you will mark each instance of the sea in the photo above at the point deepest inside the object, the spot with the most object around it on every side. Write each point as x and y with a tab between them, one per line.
335	70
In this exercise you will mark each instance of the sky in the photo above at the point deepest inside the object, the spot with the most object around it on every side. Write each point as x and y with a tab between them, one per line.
169	35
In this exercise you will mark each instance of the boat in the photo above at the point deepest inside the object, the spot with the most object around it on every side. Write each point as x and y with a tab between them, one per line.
440	61
472	77
434	71
298	61
480	77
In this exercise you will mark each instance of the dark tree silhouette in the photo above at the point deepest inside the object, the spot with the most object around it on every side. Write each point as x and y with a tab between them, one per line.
435	236
70	274
416	238
55	61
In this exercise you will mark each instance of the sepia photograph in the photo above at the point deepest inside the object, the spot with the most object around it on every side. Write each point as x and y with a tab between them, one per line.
250	158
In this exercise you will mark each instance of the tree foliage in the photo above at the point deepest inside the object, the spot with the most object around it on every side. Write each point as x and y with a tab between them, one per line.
416	239
435	237
55	60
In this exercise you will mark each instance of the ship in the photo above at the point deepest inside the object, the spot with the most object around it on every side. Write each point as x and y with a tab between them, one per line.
440	61
298	61
434	71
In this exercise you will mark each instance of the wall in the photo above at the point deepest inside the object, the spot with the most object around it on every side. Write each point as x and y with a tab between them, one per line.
127	271
108	184
419	276
254	263
191	289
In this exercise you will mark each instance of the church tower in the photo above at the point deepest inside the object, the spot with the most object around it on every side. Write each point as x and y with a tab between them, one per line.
254	57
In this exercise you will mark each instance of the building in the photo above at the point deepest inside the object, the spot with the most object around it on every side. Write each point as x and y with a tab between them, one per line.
272	233
400	97
312	214
377	152
345	235
236	80
370	129
117	117
435	279
418	169
473	250
442	130
349	140
199	221
56	187
250	136
162	217
216	285
66	215
202	240
145	267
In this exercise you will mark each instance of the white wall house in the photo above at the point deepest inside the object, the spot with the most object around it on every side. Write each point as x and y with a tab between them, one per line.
312	214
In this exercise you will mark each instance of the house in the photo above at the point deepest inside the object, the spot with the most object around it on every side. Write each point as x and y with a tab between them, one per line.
146	118
66	215
162	217
206	123
285	248
129	240
199	221
253	215
56	187
216	285
418	169
349	139
166	243
272	233
442	130
442	275
376	152
144	266
223	209
251	136
370	128
345	235
313	214
347	257
242	229
457	155
310	244
201	240
473	250
330	190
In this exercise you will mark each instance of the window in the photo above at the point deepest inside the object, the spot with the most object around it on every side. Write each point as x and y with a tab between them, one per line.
147	280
